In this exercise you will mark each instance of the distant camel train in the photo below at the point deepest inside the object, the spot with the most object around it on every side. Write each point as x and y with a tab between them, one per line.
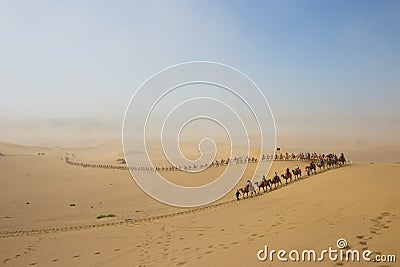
122	164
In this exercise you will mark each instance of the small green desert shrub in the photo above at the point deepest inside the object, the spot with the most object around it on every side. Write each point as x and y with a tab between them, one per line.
105	216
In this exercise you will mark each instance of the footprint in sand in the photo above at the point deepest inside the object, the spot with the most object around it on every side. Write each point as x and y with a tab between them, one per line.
209	252
5	260
76	256
54	260
181	263
117	249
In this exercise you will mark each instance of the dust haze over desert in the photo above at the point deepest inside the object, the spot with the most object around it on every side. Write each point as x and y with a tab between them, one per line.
68	72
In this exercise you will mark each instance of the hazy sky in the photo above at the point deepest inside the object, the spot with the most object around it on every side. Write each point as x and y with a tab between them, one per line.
326	60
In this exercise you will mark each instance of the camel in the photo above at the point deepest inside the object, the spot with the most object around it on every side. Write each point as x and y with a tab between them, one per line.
297	173
311	169
276	180
264	185
329	163
287	176
321	164
246	190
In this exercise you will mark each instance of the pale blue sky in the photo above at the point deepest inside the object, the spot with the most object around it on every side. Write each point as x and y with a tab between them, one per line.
334	60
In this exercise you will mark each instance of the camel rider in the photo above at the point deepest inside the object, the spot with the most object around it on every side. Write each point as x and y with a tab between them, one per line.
297	167
249	184
276	175
287	171
263	179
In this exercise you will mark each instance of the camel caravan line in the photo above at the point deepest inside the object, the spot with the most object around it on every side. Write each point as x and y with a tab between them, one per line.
303	156
322	161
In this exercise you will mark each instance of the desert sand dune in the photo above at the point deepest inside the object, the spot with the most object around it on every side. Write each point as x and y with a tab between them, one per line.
38	226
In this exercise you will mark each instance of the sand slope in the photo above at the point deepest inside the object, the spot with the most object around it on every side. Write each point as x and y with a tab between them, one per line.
359	202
